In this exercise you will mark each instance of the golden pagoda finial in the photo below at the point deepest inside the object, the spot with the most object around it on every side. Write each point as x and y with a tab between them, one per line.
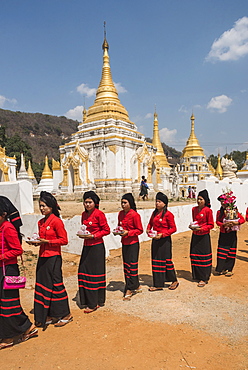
160	155
84	114
107	104
105	44
192	148
30	171
47	173
218	171
246	157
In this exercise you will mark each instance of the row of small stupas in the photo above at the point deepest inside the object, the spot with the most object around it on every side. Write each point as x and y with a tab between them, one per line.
109	155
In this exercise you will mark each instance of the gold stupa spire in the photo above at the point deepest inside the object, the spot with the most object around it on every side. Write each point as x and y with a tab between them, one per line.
218	171
192	148
47	173
107	104
160	156
30	171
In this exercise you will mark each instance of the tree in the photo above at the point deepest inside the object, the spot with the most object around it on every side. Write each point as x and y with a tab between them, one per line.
15	146
239	158
213	159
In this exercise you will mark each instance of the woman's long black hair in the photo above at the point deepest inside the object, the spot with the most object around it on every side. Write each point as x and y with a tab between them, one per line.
11	213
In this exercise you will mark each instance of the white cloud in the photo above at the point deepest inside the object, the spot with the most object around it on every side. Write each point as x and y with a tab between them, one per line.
220	103
84	89
121	89
183	109
167	136
75	113
232	44
148	115
4	100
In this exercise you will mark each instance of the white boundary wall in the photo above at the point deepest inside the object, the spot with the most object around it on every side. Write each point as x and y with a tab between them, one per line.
20	193
216	187
183	215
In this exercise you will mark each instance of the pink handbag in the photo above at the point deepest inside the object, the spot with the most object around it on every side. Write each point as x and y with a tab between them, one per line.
12	282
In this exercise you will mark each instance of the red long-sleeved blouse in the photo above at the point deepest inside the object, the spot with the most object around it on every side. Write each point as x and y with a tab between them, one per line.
52	229
219	222
204	218
165	226
97	225
131	222
12	246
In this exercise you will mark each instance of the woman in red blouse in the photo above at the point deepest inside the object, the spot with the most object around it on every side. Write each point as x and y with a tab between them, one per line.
227	243
13	321
162	221
91	270
130	221
200	247
50	300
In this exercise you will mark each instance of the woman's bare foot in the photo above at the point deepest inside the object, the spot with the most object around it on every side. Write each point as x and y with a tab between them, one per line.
127	295
63	321
154	289
89	310
8	342
138	290
31	332
174	285
201	284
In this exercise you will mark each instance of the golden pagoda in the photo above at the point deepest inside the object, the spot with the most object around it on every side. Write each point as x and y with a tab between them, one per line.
160	155
193	163
218	171
107	153
47	173
30	171
107	104
193	148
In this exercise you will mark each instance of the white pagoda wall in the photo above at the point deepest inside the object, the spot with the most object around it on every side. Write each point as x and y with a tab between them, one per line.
216	187
182	215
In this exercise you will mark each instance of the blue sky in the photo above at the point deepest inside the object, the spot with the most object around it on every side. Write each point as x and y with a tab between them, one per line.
183	56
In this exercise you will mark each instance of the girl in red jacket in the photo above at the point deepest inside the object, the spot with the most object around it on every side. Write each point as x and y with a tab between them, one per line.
50	300
200	247
227	243
130	221
91	270
162	221
13	321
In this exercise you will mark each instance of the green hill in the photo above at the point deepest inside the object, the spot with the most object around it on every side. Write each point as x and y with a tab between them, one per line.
42	132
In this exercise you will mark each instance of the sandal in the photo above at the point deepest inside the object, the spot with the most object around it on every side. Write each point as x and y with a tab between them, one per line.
229	273
201	284
138	290
174	285
6	345
154	289
31	334
38	324
127	297
89	310
223	272
63	322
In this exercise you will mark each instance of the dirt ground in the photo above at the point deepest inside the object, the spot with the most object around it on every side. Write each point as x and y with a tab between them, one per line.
191	327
